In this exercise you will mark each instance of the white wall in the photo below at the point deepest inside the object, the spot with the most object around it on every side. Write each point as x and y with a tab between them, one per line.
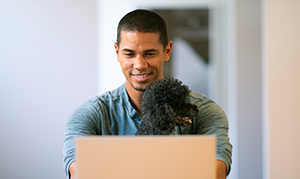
281	88
47	69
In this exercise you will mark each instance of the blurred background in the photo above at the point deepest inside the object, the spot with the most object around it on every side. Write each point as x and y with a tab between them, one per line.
55	55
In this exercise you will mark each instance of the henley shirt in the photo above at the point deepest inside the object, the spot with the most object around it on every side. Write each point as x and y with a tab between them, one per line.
112	114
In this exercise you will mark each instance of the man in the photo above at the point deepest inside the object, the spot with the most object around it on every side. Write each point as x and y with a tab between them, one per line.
142	48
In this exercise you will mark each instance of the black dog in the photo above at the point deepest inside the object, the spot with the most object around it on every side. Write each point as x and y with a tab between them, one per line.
165	106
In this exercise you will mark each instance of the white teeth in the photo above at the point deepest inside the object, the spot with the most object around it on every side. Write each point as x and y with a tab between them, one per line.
141	76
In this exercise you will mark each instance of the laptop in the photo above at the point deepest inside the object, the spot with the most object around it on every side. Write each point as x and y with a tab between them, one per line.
146	157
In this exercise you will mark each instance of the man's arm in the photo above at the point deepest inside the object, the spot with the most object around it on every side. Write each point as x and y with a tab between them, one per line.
72	171
211	120
82	122
221	170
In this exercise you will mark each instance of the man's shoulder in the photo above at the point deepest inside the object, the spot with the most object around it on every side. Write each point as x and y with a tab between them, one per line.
106	98
204	103
119	92
198	98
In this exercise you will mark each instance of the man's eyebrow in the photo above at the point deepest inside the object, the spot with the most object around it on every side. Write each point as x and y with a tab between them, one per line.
127	50
151	50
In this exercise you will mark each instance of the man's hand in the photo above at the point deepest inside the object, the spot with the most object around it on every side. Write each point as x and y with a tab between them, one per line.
73	171
221	170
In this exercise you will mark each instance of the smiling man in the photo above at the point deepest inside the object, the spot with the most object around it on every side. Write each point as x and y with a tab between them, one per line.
141	48
141	57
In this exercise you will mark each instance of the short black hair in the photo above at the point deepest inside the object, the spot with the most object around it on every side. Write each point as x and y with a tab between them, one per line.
144	21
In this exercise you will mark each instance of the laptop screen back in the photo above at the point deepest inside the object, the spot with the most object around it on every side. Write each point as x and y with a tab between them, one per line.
146	157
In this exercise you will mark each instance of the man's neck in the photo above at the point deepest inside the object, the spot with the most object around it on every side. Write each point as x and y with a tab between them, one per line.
135	97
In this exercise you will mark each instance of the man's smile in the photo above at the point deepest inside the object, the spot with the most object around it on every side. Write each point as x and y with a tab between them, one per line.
141	77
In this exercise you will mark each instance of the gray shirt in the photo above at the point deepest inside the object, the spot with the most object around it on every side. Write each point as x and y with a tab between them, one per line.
112	114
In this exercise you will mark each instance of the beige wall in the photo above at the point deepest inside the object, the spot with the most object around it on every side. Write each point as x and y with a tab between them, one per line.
282	74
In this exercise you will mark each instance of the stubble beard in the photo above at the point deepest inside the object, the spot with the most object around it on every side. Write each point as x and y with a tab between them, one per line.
137	89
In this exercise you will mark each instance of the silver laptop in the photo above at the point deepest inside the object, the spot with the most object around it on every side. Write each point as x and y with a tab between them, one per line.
146	157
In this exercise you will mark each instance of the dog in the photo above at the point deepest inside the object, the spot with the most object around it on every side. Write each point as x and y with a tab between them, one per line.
165	106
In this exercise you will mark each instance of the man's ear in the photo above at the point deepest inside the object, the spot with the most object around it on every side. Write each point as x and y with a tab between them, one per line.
168	50
116	50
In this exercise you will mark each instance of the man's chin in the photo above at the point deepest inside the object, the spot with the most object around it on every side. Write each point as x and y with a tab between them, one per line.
140	88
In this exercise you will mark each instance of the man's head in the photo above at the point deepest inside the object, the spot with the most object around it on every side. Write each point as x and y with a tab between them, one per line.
142	48
144	21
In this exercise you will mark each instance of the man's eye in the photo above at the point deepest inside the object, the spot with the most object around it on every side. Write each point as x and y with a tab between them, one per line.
150	54
129	54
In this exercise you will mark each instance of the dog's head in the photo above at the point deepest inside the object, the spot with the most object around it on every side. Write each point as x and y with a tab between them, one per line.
165	102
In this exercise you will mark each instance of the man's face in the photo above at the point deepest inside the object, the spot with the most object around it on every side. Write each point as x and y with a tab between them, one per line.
141	57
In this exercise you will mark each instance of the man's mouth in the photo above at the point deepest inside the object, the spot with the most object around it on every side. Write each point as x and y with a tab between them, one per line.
141	75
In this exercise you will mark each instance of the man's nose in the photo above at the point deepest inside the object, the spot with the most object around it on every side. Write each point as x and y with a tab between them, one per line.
140	63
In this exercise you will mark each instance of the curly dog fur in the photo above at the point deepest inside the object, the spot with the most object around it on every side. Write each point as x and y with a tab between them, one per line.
164	104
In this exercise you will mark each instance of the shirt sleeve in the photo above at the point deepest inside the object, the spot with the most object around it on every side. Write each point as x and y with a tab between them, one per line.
211	120
81	123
